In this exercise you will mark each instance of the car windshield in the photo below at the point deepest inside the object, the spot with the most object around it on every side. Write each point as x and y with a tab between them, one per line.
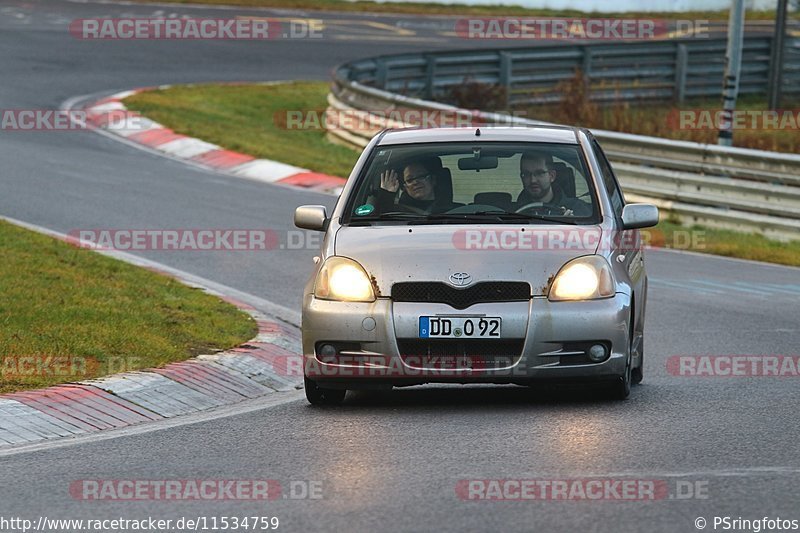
466	182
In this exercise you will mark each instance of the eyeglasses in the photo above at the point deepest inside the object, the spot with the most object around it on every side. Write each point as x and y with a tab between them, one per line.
414	179
539	173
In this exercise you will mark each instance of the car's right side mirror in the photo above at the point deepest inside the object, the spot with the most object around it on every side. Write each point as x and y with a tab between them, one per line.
313	217
639	216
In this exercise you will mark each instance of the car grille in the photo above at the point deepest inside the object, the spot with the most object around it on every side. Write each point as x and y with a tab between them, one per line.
438	292
458	353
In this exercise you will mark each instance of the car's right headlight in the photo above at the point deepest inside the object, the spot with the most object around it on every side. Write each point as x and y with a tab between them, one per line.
583	278
343	279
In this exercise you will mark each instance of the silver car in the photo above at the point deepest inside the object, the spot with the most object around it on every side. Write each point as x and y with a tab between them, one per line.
476	255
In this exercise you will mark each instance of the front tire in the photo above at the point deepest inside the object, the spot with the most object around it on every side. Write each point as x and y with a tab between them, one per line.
317	395
637	374
622	389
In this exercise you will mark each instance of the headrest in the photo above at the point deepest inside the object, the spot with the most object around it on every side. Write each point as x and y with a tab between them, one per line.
565	179
498	199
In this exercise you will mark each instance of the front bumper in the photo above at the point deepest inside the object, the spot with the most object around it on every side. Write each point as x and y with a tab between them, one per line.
544	332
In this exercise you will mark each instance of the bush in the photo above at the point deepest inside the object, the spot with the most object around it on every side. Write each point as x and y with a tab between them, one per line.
473	94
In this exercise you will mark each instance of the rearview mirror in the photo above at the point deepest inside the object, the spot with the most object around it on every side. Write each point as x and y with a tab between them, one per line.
482	163
639	216
313	217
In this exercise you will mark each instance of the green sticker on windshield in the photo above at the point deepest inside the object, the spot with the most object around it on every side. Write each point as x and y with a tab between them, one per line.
365	209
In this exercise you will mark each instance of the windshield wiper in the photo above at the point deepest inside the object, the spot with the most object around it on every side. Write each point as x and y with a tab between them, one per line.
480	216
392	215
498	215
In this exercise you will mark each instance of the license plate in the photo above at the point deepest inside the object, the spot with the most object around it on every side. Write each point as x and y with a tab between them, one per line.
454	327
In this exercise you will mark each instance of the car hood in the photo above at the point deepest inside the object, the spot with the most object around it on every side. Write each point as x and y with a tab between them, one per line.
392	254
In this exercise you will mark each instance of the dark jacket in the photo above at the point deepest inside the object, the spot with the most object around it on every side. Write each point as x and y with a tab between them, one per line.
558	204
386	201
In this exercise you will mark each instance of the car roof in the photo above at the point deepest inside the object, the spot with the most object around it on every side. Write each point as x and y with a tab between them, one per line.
544	133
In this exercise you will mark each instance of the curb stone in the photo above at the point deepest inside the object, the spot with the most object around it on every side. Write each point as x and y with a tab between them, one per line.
251	370
102	114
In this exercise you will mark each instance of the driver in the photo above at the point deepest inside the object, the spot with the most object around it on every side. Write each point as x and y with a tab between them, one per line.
537	172
418	186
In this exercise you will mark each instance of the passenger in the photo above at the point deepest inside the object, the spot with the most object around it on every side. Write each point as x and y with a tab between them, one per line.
418	190
537	173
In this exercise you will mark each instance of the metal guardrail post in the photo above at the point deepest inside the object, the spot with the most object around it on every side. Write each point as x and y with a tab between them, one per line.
430	76
586	65
776	57
681	66
733	70
505	76
381	73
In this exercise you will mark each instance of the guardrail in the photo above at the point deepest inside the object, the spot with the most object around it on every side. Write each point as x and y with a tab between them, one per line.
654	70
734	188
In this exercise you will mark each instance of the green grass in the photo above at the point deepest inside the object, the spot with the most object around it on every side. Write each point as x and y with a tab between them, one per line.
669	234
239	117
250	119
69	314
661	120
461	9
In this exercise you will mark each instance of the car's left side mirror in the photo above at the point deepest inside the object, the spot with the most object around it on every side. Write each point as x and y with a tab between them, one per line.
639	216
313	217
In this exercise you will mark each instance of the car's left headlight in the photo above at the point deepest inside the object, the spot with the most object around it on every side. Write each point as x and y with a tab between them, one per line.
342	278
583	278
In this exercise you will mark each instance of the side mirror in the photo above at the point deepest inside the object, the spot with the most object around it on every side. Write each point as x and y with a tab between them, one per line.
313	217
639	216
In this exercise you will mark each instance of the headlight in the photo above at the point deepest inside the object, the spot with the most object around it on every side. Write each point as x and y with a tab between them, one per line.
343	279
584	278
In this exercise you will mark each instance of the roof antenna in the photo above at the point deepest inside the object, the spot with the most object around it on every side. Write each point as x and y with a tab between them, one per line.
477	132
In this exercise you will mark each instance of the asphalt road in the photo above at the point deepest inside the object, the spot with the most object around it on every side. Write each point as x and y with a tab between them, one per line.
394	460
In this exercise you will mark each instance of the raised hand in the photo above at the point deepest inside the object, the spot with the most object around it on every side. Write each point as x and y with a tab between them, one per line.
390	180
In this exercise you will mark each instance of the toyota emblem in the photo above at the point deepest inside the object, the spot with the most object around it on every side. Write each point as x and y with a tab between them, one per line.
460	279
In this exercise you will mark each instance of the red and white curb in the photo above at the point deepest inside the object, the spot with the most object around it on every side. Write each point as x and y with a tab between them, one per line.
140	130
268	363
256	368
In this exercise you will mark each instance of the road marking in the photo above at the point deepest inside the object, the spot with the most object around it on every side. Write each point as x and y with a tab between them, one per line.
721	472
716	288
387	38
247	406
315	25
727	287
350	28
683	286
722	258
388	27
